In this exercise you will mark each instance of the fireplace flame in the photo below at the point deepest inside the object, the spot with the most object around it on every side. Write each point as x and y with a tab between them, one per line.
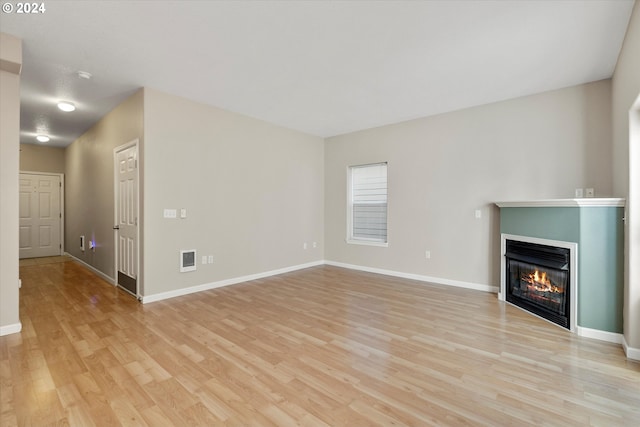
540	282
541	278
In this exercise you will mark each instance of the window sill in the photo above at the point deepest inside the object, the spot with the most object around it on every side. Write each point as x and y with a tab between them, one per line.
367	243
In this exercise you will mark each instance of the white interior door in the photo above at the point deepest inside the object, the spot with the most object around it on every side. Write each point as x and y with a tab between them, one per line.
126	228
40	215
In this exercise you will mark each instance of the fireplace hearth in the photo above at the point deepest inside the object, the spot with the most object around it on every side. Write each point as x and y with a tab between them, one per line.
538	280
593	231
538	277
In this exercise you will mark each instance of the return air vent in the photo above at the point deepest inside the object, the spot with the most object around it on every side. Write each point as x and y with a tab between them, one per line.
187	260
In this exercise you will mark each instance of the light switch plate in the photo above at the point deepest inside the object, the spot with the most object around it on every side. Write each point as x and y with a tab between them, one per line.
170	213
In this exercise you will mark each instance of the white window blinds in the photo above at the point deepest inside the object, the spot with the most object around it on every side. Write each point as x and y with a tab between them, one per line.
368	203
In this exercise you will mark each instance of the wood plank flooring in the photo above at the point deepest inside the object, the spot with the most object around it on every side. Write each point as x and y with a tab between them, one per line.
319	347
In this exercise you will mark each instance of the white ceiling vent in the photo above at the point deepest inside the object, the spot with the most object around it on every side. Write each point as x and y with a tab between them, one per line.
187	260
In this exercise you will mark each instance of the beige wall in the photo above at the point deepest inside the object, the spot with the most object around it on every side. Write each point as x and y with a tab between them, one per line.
626	89
36	158
253	191
89	205
10	65
443	168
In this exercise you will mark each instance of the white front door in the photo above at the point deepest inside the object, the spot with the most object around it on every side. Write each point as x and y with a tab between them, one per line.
126	206
40	215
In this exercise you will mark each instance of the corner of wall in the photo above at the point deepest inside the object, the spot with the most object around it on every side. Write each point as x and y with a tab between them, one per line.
10	67
89	179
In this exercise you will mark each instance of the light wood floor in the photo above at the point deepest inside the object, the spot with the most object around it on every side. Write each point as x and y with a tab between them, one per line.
318	347
44	260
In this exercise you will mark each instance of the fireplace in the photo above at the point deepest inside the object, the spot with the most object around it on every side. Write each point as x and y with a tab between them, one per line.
538	277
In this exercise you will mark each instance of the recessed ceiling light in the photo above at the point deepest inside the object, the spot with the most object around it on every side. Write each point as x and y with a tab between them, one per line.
66	106
84	75
43	138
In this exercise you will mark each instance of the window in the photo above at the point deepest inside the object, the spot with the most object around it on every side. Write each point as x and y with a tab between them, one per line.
368	204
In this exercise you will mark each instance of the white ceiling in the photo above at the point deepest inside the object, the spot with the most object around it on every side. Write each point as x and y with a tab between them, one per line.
321	67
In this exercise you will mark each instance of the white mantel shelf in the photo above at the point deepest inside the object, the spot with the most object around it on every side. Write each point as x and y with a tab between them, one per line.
564	203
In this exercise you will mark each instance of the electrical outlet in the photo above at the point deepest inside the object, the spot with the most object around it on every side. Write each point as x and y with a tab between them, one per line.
579	192
315	244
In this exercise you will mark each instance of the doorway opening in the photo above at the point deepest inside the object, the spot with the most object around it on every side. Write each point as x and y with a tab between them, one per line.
632	235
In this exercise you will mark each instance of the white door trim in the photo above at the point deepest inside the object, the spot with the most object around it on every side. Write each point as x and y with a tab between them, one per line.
116	150
61	176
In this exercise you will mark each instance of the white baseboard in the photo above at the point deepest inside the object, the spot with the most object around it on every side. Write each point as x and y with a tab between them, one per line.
10	329
213	285
600	335
632	353
436	280
109	279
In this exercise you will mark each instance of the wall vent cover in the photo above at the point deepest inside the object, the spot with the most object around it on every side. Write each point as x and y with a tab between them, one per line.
187	260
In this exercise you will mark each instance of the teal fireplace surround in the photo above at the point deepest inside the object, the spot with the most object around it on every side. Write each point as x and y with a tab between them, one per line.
596	225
